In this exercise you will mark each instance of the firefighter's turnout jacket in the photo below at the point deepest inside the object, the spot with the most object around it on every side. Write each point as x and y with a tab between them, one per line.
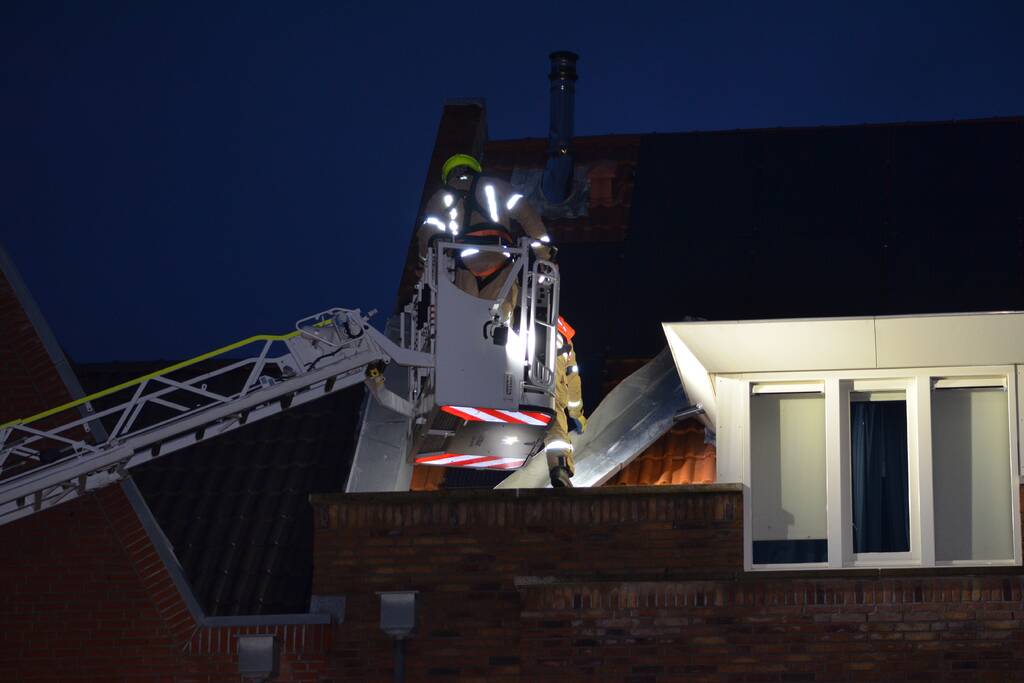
481	211
568	402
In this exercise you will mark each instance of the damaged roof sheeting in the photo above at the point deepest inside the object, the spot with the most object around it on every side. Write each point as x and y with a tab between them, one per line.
632	417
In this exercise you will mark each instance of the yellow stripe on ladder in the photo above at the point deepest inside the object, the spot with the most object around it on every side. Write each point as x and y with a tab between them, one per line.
152	375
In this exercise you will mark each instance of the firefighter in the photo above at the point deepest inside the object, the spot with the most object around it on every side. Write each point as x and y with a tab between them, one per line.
568	410
474	209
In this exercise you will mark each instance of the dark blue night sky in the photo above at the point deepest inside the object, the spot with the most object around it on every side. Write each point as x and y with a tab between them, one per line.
179	176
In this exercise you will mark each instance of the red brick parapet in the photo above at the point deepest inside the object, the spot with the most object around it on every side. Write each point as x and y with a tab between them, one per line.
424	538
639	584
926	629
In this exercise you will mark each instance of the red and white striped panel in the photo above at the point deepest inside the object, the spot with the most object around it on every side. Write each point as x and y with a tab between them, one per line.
516	417
481	462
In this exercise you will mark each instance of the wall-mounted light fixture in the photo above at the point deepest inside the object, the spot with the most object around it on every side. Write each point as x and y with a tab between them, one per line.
398	613
258	656
398	619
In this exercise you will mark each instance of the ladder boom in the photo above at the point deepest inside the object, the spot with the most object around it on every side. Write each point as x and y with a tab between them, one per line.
327	353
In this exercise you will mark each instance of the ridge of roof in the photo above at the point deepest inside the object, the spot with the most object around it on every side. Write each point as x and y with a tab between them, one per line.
585	140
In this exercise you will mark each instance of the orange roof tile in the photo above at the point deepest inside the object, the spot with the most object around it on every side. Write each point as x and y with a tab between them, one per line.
678	457
426	478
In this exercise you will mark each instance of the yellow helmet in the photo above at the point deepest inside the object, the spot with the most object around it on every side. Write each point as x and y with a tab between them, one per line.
456	161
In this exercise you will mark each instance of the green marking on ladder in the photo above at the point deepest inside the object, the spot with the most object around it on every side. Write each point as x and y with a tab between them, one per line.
152	375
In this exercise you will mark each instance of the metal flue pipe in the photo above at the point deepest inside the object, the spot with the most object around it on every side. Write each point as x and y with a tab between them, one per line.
558	172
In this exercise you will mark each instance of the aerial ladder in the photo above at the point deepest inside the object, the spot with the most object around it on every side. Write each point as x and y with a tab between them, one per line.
480	390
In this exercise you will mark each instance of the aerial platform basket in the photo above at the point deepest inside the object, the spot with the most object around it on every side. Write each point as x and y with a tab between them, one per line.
489	398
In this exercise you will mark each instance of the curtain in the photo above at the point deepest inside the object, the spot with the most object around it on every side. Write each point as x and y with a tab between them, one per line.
881	506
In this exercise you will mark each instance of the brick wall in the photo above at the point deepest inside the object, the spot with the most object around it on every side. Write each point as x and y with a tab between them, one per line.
639	584
85	597
29	383
464	550
913	629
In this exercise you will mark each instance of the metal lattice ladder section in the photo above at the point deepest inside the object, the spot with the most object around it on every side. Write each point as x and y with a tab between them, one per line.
44	464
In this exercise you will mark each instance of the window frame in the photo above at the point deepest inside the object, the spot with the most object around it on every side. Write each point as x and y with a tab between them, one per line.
734	451
912	556
778	388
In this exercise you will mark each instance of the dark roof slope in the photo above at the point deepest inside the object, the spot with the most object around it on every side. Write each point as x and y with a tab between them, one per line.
854	220
236	508
747	224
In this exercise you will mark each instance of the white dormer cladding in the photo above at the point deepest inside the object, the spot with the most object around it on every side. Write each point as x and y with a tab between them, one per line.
703	350
957	375
854	343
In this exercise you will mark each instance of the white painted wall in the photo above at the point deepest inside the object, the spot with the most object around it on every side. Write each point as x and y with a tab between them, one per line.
787	466
970	467
730	429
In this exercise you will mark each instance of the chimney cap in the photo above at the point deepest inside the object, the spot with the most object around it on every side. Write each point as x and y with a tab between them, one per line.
563	65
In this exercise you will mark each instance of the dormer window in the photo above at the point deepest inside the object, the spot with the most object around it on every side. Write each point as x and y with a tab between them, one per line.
849	460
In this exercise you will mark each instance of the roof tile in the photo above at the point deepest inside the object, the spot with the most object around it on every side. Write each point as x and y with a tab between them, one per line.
679	457
426	478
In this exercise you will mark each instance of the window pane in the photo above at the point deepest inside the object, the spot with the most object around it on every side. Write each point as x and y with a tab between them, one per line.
787	489
971	474
878	455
